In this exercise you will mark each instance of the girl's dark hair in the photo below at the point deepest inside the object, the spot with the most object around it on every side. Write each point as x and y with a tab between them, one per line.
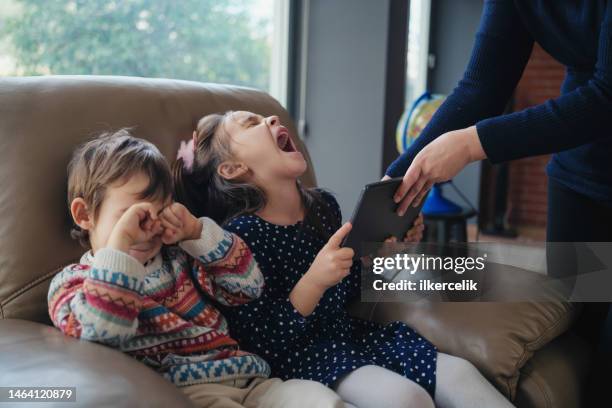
206	193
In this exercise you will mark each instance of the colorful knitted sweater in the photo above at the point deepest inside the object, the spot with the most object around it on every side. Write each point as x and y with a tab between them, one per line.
165	315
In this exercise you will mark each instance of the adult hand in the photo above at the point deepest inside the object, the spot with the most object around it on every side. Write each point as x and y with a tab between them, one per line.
439	161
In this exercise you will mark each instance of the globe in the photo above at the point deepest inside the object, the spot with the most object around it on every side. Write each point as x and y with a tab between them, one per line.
409	127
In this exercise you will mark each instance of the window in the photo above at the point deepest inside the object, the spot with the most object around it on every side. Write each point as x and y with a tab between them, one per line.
240	42
418	50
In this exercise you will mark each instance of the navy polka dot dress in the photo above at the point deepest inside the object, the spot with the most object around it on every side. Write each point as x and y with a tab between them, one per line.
327	344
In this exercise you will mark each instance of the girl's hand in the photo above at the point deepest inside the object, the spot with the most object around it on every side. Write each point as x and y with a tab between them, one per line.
179	224
415	233
138	224
332	263
439	161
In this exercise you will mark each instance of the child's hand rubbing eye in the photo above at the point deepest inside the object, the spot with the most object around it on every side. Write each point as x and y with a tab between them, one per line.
179	224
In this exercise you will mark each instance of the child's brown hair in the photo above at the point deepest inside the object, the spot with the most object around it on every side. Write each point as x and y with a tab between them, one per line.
109	158
206	193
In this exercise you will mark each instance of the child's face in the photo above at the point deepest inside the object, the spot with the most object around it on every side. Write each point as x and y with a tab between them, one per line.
117	199
263	145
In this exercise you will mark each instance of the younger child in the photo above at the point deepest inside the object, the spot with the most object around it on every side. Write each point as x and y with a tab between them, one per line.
150	282
246	167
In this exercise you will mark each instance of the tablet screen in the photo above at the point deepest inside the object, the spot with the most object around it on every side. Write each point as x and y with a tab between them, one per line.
375	219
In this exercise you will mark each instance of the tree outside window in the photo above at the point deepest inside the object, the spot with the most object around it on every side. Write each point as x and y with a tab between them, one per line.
223	41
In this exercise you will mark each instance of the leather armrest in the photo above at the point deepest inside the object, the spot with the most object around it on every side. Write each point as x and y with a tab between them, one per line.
497	337
556	376
35	355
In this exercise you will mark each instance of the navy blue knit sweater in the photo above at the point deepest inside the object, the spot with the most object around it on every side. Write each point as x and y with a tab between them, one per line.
576	127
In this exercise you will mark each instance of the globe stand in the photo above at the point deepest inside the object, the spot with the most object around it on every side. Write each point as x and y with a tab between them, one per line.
436	203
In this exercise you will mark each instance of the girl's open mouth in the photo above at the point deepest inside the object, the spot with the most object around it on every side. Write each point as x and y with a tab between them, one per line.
284	142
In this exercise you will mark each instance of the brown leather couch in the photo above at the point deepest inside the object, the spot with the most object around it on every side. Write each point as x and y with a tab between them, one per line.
524	349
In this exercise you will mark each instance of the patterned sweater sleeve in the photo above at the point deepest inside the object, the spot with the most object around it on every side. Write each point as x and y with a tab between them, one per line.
223	266
100	302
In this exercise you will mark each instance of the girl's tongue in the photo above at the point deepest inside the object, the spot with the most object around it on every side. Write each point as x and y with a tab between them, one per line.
284	143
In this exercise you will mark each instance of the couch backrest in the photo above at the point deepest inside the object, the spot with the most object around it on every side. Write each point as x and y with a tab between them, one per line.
42	119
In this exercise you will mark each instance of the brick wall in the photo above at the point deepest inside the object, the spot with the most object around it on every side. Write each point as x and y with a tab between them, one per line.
527	192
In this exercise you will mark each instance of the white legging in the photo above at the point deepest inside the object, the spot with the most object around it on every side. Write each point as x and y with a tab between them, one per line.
458	385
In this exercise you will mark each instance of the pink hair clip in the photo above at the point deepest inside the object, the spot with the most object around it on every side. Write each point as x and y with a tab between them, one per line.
186	152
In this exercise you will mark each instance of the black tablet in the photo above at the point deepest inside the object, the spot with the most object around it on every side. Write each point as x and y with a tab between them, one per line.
375	218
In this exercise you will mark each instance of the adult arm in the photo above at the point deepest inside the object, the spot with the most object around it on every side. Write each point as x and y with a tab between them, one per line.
573	119
500	53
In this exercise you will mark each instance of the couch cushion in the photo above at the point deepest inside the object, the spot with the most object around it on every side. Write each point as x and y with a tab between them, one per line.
497	337
555	377
42	119
34	355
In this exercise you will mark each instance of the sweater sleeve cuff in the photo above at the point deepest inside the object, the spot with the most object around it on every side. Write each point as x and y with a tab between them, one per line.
118	268
213	244
492	140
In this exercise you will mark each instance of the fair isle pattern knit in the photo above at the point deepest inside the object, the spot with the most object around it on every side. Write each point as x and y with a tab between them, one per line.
164	313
